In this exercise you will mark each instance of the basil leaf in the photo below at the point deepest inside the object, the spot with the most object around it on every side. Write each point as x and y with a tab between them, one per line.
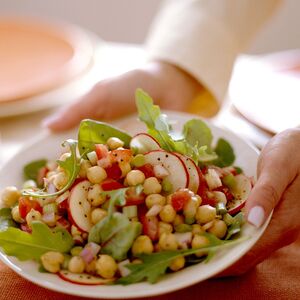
226	156
94	132
31	170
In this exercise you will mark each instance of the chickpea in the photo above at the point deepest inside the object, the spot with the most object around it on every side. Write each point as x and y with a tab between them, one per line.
179	219
125	168
10	196
168	241
177	263
52	261
205	214
96	174
76	265
114	143
33	215
200	241
135	177
142	244
97	215
15	213
196	229
91	267
164	228
60	180
75	231
169	199
152	186
167	214
219	229
95	195
190	208
84	166
106	266
155	199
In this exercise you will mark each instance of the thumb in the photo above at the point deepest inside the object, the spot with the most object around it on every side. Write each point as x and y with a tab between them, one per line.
275	173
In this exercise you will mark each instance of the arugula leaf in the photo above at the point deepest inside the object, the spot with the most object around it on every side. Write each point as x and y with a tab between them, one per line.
31	170
157	124
27	246
94	132
71	166
6	219
157	263
225	153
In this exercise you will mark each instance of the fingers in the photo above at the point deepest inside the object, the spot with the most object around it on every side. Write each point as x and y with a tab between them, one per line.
85	107
276	171
282	231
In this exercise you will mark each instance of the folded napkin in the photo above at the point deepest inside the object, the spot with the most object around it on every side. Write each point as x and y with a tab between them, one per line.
278	278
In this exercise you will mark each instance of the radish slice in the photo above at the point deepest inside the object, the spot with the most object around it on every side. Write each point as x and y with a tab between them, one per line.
144	143
241	192
84	279
79	206
178	175
193	172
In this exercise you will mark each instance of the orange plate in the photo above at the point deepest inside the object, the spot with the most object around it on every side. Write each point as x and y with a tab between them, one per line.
37	56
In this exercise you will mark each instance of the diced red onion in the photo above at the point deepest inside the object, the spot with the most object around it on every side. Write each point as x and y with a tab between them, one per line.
154	210
183	239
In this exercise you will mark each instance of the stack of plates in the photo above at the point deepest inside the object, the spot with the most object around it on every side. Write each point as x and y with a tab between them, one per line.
41	64
266	90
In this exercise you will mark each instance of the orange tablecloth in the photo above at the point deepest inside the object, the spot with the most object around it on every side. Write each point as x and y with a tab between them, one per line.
276	278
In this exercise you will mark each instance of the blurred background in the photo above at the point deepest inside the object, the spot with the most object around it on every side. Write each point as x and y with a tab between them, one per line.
128	21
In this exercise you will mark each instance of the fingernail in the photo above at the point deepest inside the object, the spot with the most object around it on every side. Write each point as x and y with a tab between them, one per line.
256	216
50	120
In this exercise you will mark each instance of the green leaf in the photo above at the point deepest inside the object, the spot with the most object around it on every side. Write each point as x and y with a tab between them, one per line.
26	246
156	264
156	122
197	133
31	170
6	219
71	166
104	230
94	132
121	242
236	226
225	153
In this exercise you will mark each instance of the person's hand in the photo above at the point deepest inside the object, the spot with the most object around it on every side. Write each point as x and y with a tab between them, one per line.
278	188
168	85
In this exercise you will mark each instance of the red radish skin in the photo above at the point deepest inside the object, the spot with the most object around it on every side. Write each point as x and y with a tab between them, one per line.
110	185
144	143
178	175
82	279
192	169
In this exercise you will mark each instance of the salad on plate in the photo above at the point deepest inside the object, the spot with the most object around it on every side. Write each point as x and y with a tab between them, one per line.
120	209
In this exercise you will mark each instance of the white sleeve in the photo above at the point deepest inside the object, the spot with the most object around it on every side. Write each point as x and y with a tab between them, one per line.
204	37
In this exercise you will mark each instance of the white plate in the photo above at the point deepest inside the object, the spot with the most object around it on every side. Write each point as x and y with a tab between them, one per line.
48	146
